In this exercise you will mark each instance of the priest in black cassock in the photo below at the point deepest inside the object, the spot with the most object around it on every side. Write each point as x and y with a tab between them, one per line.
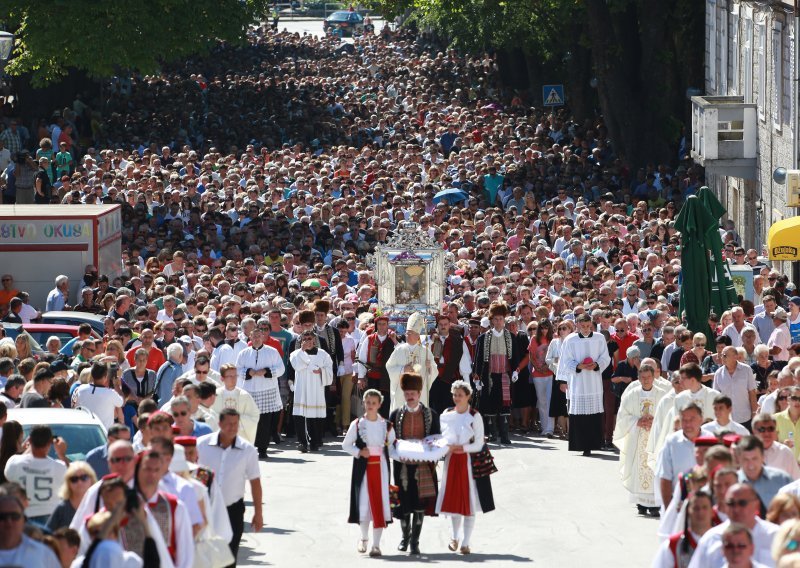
332	338
584	356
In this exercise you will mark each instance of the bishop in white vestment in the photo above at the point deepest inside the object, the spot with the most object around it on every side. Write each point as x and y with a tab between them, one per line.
634	423
411	357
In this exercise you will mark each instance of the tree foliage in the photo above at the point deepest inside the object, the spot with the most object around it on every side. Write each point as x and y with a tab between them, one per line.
104	38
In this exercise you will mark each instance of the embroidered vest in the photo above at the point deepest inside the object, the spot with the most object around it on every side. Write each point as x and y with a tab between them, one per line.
163	511
452	349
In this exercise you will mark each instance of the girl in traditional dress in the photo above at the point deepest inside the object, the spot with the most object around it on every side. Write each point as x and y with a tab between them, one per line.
370	440
461	495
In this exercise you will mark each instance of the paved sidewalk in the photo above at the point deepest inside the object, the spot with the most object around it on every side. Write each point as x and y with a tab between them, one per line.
554	509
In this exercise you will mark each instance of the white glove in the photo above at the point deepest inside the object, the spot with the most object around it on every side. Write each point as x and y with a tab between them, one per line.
340	370
514	376
478	386
291	386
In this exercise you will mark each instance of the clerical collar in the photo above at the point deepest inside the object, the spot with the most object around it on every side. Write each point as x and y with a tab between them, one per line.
497	333
585	336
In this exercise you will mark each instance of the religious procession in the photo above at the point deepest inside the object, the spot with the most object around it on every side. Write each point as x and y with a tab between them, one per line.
409	269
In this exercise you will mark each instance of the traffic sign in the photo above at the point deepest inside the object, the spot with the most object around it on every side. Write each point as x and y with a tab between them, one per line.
553	95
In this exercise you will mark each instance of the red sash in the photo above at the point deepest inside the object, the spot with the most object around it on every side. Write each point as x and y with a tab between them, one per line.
375	491
456	490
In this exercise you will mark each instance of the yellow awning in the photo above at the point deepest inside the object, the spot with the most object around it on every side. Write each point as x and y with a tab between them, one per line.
784	239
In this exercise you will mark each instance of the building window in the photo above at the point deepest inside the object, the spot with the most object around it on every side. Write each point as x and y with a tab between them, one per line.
777	75
711	18
733	58
747	61
722	26
761	91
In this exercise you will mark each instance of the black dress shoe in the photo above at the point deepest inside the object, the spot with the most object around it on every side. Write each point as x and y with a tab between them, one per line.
655	512
506	442
587	452
642	510
314	448
303	448
262	455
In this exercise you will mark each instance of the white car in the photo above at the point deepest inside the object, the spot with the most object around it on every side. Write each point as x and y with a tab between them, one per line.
79	428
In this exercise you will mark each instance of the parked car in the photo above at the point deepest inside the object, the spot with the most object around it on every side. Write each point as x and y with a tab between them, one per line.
41	332
76	318
79	427
14	329
344	21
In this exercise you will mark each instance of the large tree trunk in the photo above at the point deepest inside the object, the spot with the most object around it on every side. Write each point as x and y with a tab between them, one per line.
628	50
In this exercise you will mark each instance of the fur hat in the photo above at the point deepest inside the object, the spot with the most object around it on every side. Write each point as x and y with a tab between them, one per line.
416	323
322	306
498	309
378	318
411	381
306	316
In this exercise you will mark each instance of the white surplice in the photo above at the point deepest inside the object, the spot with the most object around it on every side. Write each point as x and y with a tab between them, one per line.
584	388
637	475
419	356
309	387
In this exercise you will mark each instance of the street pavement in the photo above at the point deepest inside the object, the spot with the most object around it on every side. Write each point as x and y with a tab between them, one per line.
314	26
554	509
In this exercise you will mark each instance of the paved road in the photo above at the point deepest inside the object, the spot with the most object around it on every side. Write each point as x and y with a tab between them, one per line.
314	27
554	509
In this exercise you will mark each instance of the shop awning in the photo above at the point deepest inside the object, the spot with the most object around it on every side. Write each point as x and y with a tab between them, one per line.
784	240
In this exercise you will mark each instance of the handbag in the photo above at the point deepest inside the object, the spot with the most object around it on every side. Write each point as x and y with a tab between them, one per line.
483	463
212	552
356	404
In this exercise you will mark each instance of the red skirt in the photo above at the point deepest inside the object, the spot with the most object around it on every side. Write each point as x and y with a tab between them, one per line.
456	489
375	491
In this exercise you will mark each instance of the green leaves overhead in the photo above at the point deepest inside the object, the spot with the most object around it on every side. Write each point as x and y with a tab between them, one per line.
105	37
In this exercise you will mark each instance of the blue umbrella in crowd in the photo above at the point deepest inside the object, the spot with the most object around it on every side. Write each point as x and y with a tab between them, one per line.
452	195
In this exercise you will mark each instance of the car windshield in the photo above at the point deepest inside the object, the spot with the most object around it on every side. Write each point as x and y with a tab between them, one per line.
41	337
80	438
339	17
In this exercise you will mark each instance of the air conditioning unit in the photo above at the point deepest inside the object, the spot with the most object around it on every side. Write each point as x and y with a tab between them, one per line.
793	188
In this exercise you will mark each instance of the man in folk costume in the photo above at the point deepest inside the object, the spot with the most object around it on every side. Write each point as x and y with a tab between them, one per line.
313	371
634	422
417	482
499	359
411	357
453	362
471	338
584	356
373	354
259	367
333	392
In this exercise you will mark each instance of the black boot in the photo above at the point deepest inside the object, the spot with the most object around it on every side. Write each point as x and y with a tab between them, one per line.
405	524
489	427
416	529
502	426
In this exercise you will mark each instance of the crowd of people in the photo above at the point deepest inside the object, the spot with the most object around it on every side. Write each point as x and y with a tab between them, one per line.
253	183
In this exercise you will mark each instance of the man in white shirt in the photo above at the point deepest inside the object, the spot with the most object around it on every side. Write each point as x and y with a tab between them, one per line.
780	339
734	329
16	548
678	455
39	474
103	401
776	455
736	380
221	352
235	462
722	419
743	506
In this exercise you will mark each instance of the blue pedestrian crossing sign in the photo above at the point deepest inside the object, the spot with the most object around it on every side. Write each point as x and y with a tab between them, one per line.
553	95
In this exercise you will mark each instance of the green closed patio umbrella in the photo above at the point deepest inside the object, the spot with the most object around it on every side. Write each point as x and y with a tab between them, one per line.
695	294
723	293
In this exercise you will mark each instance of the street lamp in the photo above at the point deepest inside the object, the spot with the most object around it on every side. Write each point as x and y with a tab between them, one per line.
6	44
